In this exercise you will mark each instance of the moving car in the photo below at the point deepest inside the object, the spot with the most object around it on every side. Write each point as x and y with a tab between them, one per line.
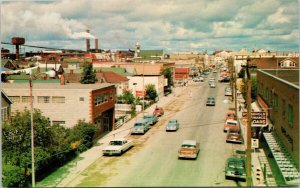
189	149
230	124
152	119
234	136
140	126
210	101
212	84
117	146
172	125
235	168
158	111
228	93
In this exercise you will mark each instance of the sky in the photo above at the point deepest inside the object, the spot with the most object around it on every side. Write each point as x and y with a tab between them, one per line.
171	25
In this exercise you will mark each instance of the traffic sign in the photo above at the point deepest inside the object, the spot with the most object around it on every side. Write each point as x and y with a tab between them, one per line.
254	143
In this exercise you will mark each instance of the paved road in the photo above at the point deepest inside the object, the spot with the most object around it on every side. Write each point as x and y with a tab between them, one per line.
153	160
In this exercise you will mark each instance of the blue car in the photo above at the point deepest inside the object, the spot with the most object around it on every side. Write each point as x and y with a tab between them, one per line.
172	125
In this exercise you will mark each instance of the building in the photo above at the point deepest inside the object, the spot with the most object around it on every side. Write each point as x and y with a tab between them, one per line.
5	106
278	95
66	104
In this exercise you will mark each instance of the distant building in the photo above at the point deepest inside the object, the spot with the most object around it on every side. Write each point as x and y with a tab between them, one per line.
66	104
278	96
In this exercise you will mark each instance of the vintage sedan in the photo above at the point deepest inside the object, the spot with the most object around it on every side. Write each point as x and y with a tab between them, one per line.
210	101
173	125
230	124
234	136
189	149
230	115
117	146
158	111
152	119
235	168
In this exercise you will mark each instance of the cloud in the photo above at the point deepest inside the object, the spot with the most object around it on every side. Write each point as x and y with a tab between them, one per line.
156	24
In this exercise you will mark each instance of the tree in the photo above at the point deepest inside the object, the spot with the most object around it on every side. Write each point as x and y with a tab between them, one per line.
88	75
13	176
151	93
242	73
128	97
253	88
169	75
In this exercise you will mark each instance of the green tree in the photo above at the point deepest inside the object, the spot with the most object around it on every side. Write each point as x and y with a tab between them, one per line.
169	75
88	75
128	97
253	88
13	176
151	93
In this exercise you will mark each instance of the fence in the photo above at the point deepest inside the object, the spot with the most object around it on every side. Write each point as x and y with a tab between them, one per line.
122	120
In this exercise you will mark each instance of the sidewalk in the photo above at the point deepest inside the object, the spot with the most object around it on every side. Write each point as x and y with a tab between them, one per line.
259	159
86	158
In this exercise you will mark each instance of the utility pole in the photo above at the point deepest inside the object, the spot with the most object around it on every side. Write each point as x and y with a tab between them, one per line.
32	132
234	90
249	121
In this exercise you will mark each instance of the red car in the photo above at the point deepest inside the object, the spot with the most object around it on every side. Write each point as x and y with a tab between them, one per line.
158	111
230	115
230	124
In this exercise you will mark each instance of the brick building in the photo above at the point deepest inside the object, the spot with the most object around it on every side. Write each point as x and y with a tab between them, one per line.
278	95
66	104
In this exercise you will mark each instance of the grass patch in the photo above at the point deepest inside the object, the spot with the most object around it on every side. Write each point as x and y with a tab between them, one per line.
58	175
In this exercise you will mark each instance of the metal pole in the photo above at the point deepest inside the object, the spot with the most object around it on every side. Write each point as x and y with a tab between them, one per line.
234	85
248	149
143	90
32	133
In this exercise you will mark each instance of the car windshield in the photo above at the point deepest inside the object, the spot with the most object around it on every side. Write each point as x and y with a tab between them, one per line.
188	146
138	124
236	164
115	143
172	121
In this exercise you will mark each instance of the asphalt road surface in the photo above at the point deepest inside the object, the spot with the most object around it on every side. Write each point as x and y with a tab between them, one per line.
153	160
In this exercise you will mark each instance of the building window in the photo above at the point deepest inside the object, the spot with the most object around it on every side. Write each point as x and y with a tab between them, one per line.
4	113
100	99
275	102
57	99
26	99
283	108
15	99
81	98
267	94
58	122
290	115
43	99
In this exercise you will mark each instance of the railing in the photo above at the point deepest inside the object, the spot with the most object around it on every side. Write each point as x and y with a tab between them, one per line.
122	120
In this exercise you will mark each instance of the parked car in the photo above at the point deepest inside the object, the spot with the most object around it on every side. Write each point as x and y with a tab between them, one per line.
158	111
196	79
228	93
234	136
230	115
173	125
230	124
225	79
189	149
141	126
210	101
201	79
117	146
152	119
235	168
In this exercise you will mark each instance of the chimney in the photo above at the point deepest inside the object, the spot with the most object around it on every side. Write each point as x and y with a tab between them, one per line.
96	44
87	42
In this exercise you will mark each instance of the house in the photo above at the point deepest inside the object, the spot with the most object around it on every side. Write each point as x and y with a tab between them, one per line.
5	106
66	104
120	82
276	62
182	73
278	96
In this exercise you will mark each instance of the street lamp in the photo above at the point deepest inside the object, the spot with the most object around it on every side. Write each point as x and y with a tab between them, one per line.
32	132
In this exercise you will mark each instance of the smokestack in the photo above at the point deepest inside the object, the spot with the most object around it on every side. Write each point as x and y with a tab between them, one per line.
87	42
96	43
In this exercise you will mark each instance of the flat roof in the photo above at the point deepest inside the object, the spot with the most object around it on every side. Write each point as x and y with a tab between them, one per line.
51	86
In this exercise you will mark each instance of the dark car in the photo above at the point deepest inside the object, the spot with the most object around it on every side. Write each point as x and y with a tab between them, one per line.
210	101
235	168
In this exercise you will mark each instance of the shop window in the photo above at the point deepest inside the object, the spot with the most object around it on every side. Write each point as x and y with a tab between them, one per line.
283	108
290	115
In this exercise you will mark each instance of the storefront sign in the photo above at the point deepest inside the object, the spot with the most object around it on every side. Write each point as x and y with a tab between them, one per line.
258	118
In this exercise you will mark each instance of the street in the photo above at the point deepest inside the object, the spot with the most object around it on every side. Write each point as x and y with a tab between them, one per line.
153	159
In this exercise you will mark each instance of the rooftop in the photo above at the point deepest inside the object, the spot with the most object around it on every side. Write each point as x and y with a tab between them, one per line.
287	75
51	86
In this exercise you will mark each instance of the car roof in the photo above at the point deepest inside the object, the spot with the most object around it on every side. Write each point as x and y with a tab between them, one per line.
189	142
140	121
232	121
118	139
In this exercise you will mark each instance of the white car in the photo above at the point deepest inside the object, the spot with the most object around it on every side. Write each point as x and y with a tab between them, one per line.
117	146
212	84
